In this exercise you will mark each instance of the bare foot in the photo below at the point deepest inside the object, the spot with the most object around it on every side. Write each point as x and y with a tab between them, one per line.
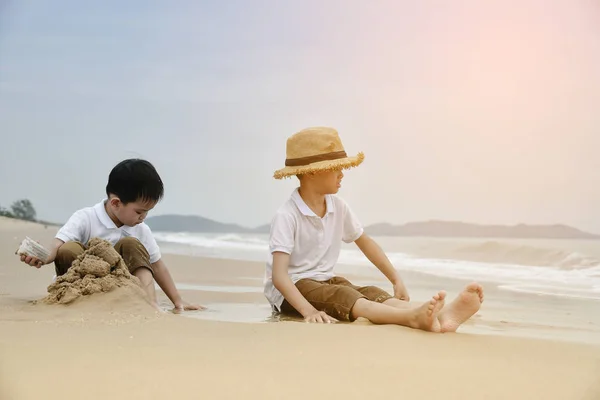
426	317
462	308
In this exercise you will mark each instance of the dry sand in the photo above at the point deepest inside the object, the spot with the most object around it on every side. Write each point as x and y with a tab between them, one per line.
113	345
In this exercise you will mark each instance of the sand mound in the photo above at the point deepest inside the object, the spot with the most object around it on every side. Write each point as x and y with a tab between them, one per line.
99	269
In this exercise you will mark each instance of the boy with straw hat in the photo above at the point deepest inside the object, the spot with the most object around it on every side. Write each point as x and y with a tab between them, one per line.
305	242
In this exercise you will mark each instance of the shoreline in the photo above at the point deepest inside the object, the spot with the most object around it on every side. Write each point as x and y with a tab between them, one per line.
232	289
73	351
504	312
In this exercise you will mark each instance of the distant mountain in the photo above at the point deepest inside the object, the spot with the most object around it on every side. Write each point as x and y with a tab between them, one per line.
462	229
191	223
262	229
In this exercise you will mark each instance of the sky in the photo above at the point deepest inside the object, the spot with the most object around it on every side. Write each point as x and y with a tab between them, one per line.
484	112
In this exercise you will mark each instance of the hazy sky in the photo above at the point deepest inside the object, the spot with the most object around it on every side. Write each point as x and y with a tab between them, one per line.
481	111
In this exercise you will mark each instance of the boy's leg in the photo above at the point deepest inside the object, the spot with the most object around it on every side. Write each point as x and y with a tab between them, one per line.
137	259
344	302
466	304
67	253
375	294
372	293
380	307
424	317
334	300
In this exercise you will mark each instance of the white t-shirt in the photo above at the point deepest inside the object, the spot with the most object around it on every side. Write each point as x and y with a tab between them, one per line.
93	222
313	243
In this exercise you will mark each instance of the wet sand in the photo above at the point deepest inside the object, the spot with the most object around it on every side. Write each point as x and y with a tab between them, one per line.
115	346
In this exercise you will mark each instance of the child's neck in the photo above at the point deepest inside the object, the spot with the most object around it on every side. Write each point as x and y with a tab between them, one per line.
314	200
112	215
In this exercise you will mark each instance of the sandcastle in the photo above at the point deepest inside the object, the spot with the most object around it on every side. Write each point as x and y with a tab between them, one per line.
99	269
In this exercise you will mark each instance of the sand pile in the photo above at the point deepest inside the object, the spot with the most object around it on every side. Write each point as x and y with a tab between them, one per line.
99	269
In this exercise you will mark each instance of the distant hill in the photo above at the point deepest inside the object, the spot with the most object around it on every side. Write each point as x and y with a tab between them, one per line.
183	223
194	223
191	223
262	229
462	229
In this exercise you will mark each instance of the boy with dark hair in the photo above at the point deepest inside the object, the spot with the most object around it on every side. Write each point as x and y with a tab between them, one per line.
134	188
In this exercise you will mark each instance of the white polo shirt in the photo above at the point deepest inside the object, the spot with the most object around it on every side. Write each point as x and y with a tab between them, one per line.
93	222
313	243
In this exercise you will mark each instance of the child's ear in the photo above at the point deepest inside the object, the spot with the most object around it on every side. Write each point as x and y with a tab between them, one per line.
115	201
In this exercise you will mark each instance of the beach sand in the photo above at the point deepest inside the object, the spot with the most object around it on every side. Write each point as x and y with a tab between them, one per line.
115	346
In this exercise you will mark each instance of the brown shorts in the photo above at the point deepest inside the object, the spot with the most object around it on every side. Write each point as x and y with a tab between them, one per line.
336	297
132	250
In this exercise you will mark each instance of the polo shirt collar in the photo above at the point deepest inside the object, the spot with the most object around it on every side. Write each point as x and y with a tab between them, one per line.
304	209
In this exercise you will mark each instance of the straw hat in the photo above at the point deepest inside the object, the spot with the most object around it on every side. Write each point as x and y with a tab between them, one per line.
314	150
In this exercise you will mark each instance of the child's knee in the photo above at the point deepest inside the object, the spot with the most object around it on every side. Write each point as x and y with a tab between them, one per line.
66	254
129	243
375	294
70	249
135	255
131	246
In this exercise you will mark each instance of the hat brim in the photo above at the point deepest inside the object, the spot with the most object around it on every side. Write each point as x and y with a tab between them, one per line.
330	165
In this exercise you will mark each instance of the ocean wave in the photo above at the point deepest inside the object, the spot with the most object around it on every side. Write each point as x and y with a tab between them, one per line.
496	252
514	277
592	292
517	268
226	241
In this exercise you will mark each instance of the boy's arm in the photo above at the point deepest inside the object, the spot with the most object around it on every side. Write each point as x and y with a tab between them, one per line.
376	255
73	230
165	281
290	292
56	243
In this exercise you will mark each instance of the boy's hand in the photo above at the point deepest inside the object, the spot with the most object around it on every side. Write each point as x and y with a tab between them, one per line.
32	261
36	262
400	291
320	317
184	306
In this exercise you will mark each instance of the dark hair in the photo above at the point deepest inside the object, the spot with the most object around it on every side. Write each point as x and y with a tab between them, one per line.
134	179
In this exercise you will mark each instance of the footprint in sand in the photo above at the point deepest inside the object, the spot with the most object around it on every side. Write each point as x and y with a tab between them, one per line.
462	308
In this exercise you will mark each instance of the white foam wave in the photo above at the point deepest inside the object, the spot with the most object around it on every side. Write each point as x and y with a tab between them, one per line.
574	283
578	282
227	241
521	254
559	291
